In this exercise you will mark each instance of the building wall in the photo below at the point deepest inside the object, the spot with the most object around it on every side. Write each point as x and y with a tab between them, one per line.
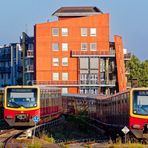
27	44
10	65
120	63
44	39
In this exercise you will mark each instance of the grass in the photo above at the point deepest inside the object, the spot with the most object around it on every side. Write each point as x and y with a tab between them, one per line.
1	145
35	145
47	138
131	145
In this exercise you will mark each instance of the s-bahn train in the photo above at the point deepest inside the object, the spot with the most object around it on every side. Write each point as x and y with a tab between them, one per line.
129	108
22	103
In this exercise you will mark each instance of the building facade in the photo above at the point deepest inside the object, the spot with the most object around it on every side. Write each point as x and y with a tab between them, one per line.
75	53
27	44
10	65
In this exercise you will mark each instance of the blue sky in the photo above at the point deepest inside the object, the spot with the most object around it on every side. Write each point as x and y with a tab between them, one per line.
128	18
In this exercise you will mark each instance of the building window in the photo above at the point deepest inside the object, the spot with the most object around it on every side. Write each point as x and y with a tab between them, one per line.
64	46
64	90
64	76
93	46
64	31
55	31
65	61
55	46
83	46
55	61
55	76
83	31
92	31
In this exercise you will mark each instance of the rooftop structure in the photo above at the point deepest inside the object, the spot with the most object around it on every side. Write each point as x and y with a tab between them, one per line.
77	11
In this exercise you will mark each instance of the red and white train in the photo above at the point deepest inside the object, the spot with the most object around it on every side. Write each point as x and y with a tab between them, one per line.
22	103
129	108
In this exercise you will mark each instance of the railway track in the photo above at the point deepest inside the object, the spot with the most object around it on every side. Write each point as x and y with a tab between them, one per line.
7	135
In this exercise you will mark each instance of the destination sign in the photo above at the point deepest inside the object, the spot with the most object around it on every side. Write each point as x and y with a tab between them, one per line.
143	92
21	90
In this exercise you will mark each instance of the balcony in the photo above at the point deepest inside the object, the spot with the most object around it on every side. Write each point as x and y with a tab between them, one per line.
127	56
5	57
105	53
5	70
74	83
29	68
30	54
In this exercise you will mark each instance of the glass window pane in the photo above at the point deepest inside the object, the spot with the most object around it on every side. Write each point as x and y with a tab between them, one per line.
83	46
55	46
64	46
64	31
64	76
83	31
55	31
64	90
65	61
93	46
55	76
55	61
92	31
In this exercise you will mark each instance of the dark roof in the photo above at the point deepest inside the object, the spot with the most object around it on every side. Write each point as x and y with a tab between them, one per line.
77	11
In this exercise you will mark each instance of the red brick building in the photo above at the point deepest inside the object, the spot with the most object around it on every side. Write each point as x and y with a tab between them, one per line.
76	54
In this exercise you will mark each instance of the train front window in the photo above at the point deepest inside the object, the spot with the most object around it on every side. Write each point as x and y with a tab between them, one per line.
140	102
21	97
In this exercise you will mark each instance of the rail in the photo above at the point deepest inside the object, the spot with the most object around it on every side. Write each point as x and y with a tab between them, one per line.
8	135
103	53
75	83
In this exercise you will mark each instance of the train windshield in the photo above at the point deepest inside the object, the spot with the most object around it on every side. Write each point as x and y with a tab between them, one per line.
140	100
21	97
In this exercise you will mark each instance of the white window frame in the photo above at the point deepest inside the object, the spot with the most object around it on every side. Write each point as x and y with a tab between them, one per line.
53	49
84	49
64	31
91	45
55	61
65	76
65	61
93	31
55	76
64	46
55	34
84	31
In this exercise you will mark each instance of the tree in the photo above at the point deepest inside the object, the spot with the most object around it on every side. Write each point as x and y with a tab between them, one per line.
138	70
144	74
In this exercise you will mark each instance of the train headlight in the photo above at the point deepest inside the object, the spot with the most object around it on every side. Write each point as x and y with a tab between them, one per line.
8	117
136	126
35	105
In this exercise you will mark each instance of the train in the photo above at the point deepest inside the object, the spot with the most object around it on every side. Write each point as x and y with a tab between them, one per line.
22	104
128	108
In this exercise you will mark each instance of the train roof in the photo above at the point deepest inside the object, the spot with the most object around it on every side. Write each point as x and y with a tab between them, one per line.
86	96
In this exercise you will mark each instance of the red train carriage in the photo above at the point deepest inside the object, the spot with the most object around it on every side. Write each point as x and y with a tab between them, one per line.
22	103
129	108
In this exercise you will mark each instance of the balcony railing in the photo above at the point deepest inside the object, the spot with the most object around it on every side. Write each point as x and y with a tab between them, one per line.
29	68
4	57
74	83
30	53
105	53
5	70
127	56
